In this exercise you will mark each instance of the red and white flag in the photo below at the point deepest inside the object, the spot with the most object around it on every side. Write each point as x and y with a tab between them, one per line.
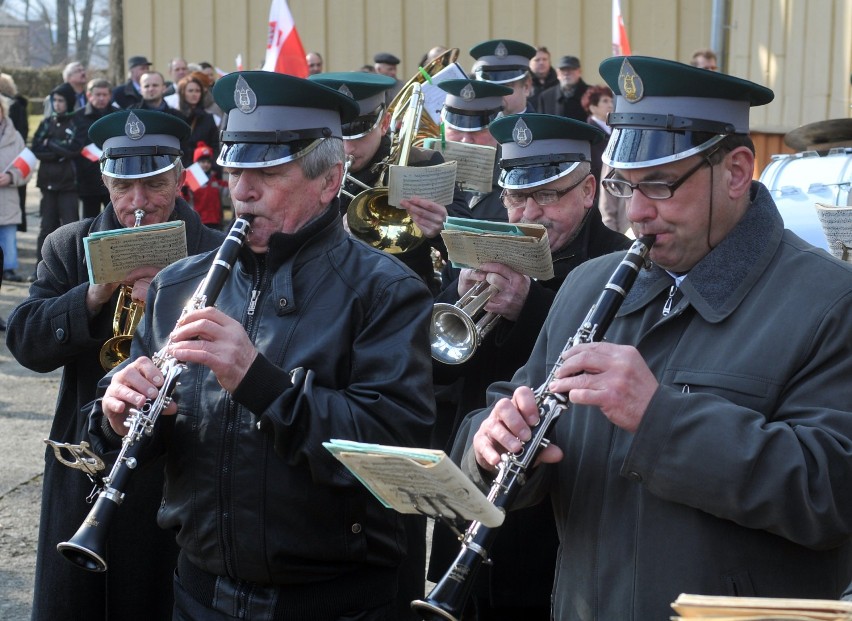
284	50
92	152
25	162
196	177
238	61
620	44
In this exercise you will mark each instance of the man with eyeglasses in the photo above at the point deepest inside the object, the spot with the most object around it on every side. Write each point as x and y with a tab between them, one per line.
546	179
367	145
706	448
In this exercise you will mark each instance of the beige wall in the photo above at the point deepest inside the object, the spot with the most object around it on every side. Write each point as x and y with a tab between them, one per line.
802	49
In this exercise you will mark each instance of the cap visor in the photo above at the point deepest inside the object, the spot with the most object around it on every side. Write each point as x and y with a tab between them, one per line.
263	155
469	122
530	176
499	77
137	166
641	148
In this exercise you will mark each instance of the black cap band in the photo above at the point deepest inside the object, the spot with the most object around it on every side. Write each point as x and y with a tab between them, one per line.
641	120
278	136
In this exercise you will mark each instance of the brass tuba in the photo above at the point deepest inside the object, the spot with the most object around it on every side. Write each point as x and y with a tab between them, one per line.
369	216
127	315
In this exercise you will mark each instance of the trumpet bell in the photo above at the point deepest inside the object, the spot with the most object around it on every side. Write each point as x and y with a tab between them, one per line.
115	351
453	334
458	329
380	225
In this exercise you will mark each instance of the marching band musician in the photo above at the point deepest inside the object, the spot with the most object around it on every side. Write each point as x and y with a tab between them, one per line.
64	323
366	140
707	445
469	107
314	336
546	179
506	62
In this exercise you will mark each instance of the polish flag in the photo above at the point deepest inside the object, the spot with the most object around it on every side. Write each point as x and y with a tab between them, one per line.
92	152
25	162
196	177
620	44
284	50
238	61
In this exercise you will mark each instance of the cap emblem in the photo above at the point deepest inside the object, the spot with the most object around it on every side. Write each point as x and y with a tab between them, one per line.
134	128
345	90
500	51
629	83
244	97
521	134
467	93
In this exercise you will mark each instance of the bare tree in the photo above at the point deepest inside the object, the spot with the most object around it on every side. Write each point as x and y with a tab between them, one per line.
116	47
60	45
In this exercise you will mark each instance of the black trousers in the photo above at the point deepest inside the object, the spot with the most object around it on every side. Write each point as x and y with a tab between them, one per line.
56	209
93	203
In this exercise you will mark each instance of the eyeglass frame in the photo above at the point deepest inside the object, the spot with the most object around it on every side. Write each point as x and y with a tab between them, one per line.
527	195
671	186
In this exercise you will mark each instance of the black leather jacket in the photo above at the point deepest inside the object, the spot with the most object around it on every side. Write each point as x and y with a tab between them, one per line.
250	489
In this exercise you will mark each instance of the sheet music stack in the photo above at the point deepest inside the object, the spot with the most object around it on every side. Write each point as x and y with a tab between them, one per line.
719	608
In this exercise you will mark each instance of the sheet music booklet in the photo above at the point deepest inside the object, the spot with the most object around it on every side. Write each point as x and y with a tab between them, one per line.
413	480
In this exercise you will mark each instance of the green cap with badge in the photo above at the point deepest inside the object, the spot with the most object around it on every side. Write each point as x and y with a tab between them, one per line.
367	89
275	118
501	60
667	111
138	143
471	105
540	148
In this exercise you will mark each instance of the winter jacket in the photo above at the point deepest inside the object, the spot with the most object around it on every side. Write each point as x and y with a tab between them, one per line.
342	335
52	145
49	330
737	479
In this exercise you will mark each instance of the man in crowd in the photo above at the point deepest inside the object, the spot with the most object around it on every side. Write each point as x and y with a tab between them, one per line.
178	69
63	324
385	63
469	107
543	74
314	61
129	93
90	185
289	533
565	99
74	86
705	58
706	446
546	176
366	141
506	62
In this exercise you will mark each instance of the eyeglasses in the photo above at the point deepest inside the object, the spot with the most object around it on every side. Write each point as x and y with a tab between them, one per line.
655	190
543	198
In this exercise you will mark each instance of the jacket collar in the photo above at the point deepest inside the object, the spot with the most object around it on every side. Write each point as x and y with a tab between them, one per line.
720	281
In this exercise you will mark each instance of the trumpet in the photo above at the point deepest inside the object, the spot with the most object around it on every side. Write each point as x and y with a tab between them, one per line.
447	599
87	547
458	329
127	315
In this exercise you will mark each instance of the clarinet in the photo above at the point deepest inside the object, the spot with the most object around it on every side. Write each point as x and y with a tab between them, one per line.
87	548
447	599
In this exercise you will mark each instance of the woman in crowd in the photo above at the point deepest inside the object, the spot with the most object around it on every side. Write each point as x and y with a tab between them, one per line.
11	145
191	94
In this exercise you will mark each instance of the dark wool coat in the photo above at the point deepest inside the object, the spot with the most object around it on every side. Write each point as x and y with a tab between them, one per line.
525	551
49	330
737	479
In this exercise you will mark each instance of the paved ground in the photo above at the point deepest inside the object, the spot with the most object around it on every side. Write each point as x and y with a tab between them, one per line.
27	401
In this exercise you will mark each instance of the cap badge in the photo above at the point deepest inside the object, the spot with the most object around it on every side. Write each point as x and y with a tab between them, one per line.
500	51
467	93
521	134
345	90
244	97
134	128
629	83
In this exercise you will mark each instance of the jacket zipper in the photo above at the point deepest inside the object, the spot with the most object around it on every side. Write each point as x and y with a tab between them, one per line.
231	431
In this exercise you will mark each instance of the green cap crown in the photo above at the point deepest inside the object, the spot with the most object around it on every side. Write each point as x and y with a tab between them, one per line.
368	89
501	60
138	143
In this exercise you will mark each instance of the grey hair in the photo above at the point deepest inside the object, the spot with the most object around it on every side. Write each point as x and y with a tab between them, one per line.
320	159
70	68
